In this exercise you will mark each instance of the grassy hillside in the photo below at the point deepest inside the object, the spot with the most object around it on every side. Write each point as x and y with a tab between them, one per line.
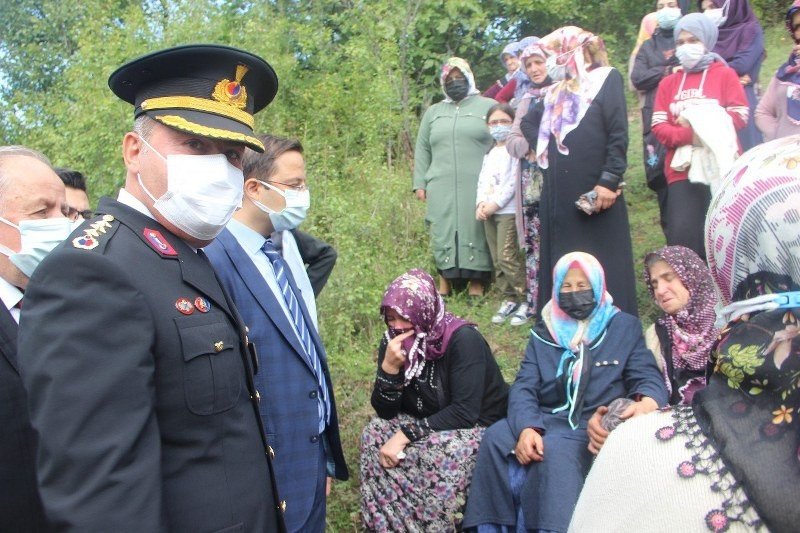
377	227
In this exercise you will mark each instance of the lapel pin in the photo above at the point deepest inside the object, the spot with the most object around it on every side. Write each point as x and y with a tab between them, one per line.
202	305
184	305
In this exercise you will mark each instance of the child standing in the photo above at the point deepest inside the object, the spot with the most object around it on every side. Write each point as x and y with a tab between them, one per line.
495	207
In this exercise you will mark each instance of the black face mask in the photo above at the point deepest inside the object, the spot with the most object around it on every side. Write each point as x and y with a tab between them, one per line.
456	89
578	304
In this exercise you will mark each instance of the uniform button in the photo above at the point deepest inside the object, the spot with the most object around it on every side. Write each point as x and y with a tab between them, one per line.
314	439
271	452
258	397
312	394
282	506
219	346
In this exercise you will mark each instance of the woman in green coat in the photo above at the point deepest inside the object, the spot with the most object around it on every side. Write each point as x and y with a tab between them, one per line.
452	140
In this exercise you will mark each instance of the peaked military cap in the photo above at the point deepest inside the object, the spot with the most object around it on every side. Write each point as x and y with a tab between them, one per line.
207	90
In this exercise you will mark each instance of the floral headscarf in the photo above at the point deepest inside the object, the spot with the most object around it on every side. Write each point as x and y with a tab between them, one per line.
691	329
567	101
751	405
414	297
565	330
463	67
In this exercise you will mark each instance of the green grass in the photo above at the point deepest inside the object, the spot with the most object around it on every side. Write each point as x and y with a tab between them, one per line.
377	227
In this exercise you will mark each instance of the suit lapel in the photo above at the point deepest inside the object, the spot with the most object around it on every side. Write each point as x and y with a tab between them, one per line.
8	336
258	287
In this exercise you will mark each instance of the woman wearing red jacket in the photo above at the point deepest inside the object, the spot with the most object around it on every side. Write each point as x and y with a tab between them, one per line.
705	78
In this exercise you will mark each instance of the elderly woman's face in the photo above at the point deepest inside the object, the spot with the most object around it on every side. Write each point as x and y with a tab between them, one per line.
575	280
670	293
395	321
511	62
535	68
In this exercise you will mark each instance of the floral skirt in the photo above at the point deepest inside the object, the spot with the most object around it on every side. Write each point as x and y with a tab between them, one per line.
428	490
531	227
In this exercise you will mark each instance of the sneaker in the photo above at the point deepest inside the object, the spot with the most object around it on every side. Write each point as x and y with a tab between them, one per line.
520	316
506	308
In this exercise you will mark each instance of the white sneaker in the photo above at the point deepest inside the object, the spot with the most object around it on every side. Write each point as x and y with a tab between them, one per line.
520	315
506	308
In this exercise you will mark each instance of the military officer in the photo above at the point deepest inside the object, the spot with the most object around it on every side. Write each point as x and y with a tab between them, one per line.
144	400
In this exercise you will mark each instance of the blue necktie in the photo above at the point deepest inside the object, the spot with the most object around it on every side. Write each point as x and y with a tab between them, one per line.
280	268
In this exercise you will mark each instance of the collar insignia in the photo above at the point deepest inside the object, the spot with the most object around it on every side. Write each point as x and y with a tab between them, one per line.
158	243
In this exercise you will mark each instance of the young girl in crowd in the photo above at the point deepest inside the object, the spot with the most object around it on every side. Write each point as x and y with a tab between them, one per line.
496	208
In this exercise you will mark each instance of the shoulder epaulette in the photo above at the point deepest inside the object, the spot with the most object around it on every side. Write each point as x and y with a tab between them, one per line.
96	233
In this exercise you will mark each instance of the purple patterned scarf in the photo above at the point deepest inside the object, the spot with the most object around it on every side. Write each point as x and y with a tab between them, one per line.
414	297
691	329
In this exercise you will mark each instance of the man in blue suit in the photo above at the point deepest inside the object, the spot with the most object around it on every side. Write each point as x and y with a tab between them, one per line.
258	262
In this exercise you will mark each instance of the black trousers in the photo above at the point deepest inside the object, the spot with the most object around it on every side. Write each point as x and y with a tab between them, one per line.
687	204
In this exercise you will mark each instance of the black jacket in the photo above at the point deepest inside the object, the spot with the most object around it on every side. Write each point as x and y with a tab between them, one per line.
141	387
20	506
653	62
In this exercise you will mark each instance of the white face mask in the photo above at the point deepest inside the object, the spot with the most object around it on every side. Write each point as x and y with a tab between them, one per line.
690	54
668	17
291	216
555	71
717	14
203	192
38	238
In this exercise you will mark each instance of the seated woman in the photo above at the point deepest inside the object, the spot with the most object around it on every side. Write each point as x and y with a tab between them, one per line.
730	461
438	387
584	352
681	339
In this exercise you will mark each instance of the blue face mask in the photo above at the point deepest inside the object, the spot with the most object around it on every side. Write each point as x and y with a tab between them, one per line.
291	216
668	17
38	238
500	132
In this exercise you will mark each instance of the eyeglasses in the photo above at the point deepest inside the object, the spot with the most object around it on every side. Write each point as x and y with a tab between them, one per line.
73	214
500	122
298	188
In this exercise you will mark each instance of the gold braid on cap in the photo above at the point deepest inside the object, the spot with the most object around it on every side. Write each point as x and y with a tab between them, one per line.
181	123
198	104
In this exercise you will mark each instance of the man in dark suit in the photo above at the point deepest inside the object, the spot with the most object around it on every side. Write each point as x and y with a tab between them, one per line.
259	263
32	192
144	400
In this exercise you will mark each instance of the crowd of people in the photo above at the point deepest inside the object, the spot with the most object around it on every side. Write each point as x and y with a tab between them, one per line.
195	394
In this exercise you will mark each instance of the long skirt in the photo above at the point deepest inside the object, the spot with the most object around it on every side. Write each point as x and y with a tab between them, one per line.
530	238
428	490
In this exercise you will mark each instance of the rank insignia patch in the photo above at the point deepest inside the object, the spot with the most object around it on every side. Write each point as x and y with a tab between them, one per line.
158	243
85	242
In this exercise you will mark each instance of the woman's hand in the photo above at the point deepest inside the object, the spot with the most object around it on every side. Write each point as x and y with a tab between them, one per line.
745	80
530	447
395	356
642	407
605	197
597	435
387	455
681	121
489	209
421	196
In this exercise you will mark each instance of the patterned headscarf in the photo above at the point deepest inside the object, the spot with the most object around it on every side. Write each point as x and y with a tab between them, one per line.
753	223
567	101
414	297
691	329
565	330
463	67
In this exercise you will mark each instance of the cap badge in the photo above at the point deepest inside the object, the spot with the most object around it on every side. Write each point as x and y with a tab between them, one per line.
232	92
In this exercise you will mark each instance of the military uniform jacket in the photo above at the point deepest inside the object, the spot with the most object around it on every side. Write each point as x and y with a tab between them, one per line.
141	387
